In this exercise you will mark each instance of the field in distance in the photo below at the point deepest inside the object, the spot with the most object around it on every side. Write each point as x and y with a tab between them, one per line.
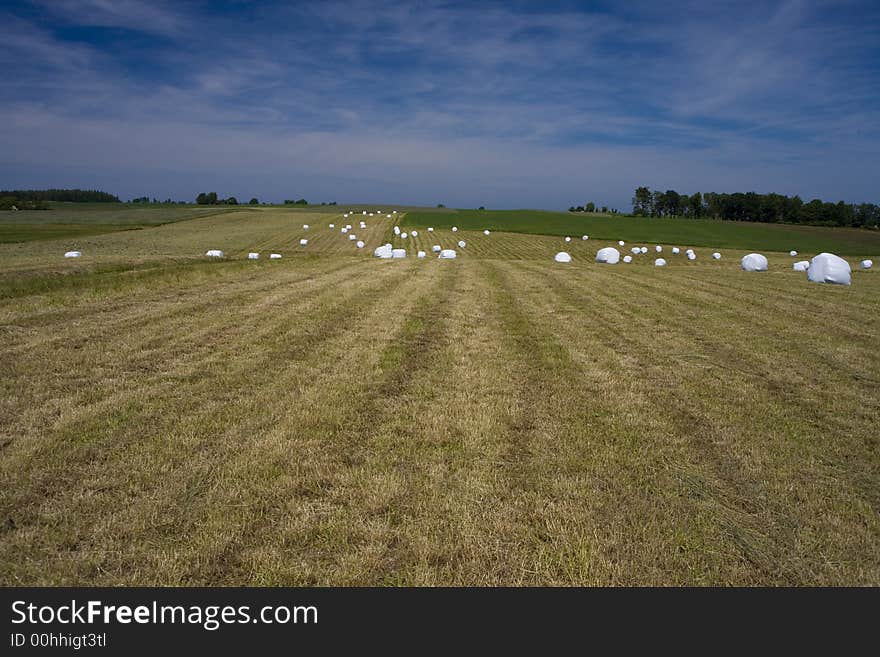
332	418
694	232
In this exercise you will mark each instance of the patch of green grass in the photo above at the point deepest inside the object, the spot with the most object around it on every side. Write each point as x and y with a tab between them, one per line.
29	232
692	232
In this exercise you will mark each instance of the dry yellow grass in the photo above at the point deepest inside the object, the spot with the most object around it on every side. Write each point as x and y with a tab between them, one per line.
499	419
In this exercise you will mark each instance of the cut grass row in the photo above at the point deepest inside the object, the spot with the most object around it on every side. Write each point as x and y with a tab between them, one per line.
353	421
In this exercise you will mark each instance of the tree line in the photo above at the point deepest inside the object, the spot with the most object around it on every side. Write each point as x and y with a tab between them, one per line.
60	195
591	207
751	206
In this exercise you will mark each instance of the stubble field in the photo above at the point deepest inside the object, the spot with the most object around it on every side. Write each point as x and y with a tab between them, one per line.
331	418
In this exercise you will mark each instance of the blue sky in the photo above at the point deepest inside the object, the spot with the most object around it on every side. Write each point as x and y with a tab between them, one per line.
502	104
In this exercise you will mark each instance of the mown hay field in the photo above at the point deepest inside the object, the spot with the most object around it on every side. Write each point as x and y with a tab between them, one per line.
666	230
331	418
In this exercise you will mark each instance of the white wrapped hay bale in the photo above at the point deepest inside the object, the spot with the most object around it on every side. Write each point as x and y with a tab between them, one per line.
343	230
792	253
675	250
430	229
585	237
360	244
829	268
212	253
754	262
303	242
403	236
363	224
253	256
347	226
644	249
609	255
455	229
364	212
867	264
352	237
620	243
305	226
462	244
398	253
485	232
332	226
658	249
78	254
635	250
691	255
801	265
383	251
414	233
659	262
447	254
397	230
274	256
562	256
421	254
627	259
436	248
394	212
716	256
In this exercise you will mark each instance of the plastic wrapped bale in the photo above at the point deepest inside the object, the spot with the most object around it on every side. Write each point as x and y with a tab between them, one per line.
792	253
659	262
691	255
303	242
77	254
371	214
716	256
568	239
421	254
414	233
360	244
455	229
394	212
403	236
343	230
627	259
754	262
447	254
332	226
585	237
305	226
398	253
253	256
644	249
801	265
430	229
397	230
658	249
867	264
462	244
609	255
562	256
675	250
620	243
347	226
635	250
829	268
436	248
352	237
212	253
363	224
364	212
274	256
485	232
383	251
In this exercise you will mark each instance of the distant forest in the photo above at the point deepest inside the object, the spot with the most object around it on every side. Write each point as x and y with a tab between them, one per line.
750	206
71	195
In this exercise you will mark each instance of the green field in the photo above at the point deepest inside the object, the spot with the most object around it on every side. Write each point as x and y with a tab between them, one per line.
335	419
693	232
74	220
